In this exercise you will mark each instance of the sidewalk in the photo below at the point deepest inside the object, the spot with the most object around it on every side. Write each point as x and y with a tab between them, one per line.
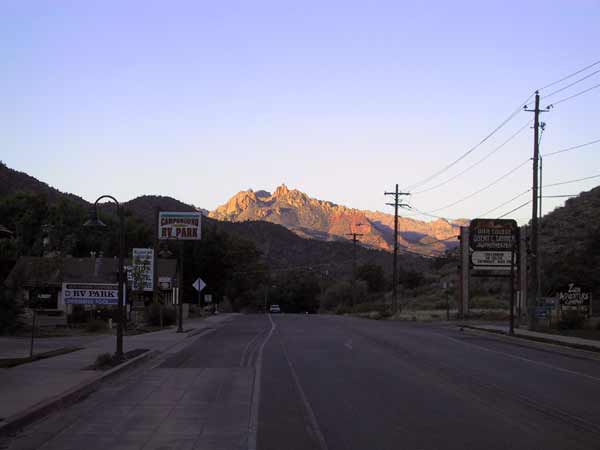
29	386
569	341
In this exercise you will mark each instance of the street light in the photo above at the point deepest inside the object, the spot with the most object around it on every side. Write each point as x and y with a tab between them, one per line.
94	221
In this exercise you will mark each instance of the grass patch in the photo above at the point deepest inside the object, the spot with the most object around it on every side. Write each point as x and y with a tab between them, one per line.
7	363
106	361
583	333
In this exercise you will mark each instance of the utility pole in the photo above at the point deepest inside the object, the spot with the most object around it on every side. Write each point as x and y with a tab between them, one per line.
180	290
396	204
354	241
535	269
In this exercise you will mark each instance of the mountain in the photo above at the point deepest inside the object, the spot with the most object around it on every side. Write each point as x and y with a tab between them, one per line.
323	220
144	207
570	245
12	181
280	247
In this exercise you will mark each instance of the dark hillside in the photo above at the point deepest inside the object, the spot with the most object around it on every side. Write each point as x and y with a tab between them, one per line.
12	181
570	244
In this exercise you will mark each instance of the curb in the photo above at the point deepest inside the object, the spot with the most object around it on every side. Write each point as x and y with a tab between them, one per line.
14	423
588	348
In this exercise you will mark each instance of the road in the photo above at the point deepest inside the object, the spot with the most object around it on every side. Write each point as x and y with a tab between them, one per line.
328	382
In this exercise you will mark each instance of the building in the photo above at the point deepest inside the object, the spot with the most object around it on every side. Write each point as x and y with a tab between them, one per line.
38	281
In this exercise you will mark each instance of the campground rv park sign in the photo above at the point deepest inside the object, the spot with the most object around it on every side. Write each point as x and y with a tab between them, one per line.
180	226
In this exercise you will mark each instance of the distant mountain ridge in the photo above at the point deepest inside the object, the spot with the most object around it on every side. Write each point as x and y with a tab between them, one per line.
12	181
281	248
324	220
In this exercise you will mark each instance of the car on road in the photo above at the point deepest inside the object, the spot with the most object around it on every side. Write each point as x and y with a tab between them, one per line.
274	309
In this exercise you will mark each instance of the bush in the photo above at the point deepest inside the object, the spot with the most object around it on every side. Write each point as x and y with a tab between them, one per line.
9	313
381	309
169	315
103	360
571	320
95	326
78	314
339	296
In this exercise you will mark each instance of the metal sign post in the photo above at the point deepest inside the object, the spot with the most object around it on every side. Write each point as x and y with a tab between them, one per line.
179	226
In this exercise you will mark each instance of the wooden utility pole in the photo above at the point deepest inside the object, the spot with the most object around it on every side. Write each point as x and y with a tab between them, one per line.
533	301
354	241
465	269
396	204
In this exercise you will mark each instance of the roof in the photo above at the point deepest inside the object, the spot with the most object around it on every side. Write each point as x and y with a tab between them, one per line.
5	232
36	271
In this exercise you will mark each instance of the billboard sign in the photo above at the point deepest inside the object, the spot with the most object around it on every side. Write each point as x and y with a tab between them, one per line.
90	293
493	243
180	226
574	299
142	270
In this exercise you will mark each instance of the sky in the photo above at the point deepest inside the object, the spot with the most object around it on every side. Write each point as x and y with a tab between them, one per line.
340	99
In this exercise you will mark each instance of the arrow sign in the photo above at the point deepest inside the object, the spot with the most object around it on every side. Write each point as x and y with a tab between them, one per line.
199	284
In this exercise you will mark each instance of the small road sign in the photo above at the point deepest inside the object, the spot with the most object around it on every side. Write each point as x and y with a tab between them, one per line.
199	284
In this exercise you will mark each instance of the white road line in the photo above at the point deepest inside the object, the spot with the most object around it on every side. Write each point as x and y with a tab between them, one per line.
348	344
521	358
253	424
309	411
250	342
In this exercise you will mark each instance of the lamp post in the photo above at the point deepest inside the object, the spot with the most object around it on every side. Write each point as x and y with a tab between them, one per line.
94	221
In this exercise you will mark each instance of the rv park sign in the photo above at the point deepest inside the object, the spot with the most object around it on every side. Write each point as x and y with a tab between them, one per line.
179	226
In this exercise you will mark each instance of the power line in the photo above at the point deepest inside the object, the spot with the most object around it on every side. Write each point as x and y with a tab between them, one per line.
476	163
438	241
410	252
573	96
497	180
570	76
287	269
564	88
423	213
560	196
516	209
505	203
572	181
571	148
472	149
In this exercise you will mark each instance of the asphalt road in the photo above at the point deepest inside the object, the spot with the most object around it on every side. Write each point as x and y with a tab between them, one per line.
328	382
339	383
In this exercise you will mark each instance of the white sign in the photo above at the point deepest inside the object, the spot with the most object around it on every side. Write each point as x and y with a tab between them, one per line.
164	283
207	298
199	284
90	293
143	269
180	226
500	260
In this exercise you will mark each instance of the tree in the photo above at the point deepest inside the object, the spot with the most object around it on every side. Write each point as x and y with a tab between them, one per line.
373	275
340	294
9	312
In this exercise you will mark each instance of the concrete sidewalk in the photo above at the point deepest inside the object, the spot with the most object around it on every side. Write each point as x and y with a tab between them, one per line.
28	386
569	341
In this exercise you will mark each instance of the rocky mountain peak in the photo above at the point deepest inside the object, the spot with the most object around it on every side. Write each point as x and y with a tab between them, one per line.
321	219
281	191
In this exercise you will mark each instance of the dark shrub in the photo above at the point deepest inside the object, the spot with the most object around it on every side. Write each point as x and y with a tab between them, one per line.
169	315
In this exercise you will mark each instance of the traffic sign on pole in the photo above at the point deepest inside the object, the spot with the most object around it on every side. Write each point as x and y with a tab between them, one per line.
199	284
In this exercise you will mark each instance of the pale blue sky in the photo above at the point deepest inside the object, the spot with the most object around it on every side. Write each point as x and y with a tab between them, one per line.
342	100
